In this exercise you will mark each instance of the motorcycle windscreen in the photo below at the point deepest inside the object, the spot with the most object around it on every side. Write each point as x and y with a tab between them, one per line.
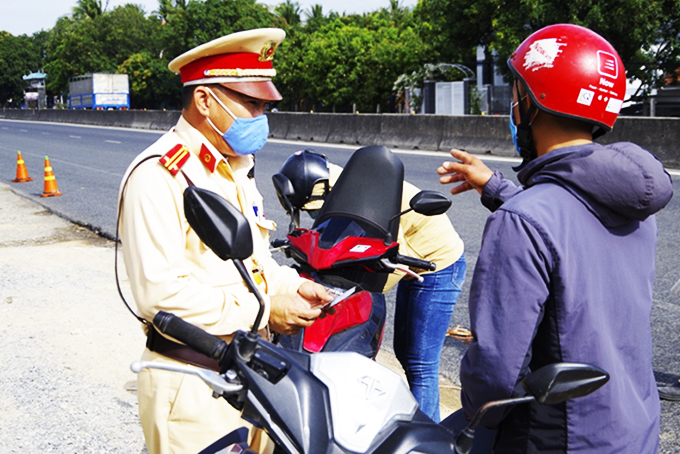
366	398
368	191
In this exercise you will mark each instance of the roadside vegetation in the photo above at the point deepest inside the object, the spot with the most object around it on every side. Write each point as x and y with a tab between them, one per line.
330	61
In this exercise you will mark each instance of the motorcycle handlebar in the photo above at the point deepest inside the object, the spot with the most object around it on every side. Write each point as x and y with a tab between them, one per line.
279	242
416	263
191	335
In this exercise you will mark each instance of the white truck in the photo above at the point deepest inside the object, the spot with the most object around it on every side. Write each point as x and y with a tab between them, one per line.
99	91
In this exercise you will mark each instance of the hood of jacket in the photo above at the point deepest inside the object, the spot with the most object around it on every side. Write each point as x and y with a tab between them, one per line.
618	183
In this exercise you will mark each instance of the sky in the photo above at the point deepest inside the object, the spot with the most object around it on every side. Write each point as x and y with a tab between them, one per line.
29	16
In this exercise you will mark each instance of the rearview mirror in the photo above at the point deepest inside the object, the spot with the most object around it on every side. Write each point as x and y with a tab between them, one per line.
218	223
550	384
226	231
558	382
430	203
284	189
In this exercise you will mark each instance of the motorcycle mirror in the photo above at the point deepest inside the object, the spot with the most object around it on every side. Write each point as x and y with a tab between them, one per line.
218	223
226	231
284	190
427	203
550	384
430	203
558	382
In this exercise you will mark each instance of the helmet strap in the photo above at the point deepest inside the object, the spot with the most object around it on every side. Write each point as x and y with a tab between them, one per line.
525	139
598	132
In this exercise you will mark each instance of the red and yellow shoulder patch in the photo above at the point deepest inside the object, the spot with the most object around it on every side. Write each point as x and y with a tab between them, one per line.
174	159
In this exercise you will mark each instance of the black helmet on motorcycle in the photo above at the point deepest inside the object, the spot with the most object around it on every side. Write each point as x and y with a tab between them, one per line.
307	171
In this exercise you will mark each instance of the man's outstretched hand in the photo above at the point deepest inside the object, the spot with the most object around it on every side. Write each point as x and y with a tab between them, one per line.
469	170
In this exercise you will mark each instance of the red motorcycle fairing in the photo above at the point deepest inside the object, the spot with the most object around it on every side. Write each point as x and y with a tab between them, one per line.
353	311
350	250
356	326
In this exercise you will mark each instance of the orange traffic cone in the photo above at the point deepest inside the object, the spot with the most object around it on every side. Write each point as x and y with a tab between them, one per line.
22	173
51	188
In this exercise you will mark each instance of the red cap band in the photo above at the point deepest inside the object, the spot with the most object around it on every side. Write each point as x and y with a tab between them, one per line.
241	64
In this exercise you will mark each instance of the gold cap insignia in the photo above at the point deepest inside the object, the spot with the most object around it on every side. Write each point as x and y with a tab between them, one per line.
267	52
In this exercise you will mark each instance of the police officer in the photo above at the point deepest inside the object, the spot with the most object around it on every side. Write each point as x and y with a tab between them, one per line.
227	84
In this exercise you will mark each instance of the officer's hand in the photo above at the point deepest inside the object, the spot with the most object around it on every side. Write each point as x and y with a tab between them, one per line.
291	312
469	169
317	295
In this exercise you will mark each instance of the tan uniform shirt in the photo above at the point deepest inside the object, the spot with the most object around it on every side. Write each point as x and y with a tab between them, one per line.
169	268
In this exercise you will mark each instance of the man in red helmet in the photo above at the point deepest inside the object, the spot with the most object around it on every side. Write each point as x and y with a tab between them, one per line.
566	268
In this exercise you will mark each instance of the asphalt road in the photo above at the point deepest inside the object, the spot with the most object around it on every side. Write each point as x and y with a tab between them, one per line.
89	162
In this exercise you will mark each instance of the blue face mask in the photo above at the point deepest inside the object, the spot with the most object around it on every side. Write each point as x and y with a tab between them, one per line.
245	135
513	127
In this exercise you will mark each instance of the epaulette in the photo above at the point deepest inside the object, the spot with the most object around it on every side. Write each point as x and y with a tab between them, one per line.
207	158
174	159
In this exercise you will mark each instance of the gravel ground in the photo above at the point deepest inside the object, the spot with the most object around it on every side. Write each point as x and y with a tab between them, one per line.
68	340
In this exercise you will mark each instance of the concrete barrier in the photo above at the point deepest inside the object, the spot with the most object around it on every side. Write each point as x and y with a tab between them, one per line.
308	127
278	125
661	136
477	134
353	129
421	132
138	119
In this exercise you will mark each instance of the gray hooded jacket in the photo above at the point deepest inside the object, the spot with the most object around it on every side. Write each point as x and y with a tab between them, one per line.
566	273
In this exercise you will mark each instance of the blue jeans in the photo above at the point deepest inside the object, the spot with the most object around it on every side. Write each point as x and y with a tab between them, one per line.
421	318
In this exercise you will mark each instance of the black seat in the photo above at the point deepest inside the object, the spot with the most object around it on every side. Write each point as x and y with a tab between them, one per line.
368	191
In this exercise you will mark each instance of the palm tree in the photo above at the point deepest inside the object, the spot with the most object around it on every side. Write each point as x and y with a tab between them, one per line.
289	11
315	12
89	8
168	8
315	18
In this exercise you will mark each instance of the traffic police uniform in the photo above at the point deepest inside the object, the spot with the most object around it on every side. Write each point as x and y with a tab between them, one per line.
169	267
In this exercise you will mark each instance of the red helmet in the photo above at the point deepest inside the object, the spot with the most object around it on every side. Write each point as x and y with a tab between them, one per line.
572	72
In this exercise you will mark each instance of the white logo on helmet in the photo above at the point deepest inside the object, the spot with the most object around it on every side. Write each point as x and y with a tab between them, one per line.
606	65
585	97
542	54
614	105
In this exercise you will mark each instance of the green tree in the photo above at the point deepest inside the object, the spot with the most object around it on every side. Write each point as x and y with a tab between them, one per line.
88	8
18	57
344	64
167	9
315	18
455	28
645	34
152	84
189	24
100	44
